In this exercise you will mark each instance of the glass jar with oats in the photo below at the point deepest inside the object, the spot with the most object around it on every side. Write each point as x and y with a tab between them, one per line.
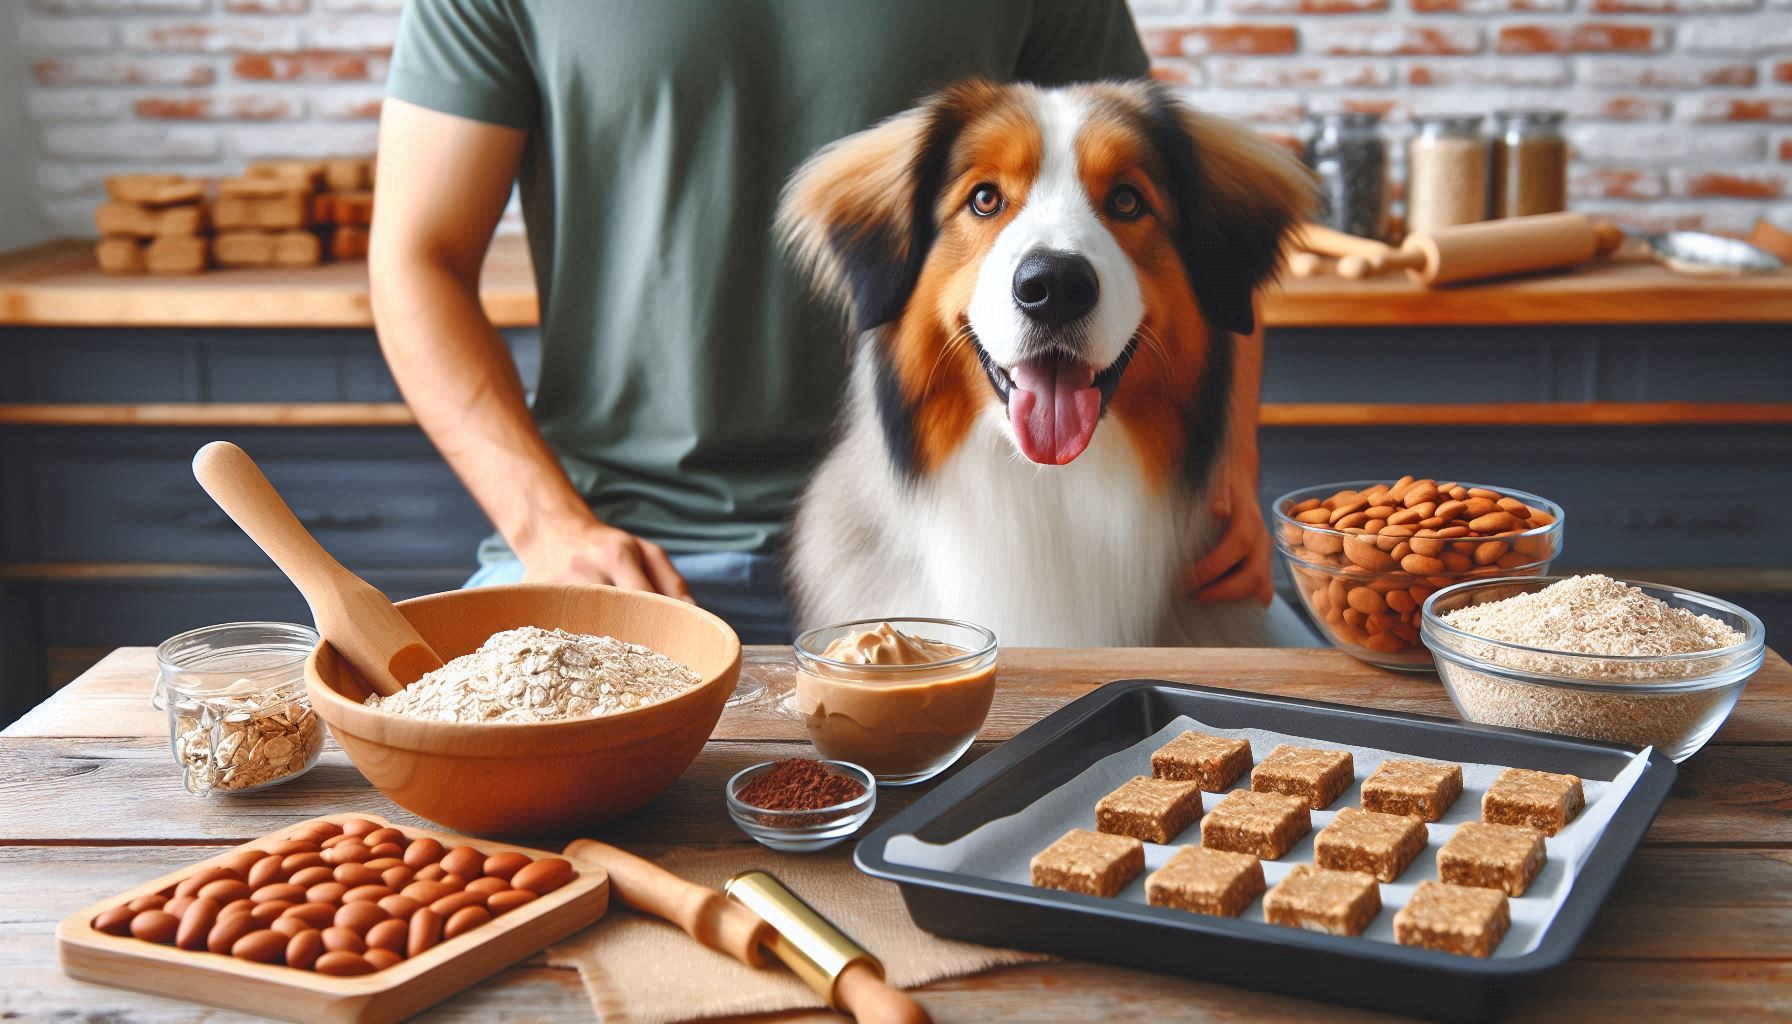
238	717
1446	173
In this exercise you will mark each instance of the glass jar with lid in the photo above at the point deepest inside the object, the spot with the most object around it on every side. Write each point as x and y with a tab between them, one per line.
238	717
1347	153
1446	173
1530	163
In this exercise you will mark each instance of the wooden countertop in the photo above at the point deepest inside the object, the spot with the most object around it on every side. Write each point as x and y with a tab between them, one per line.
1699	926
56	283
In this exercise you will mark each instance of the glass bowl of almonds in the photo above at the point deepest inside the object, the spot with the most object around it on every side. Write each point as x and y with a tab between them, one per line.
238	717
1366	554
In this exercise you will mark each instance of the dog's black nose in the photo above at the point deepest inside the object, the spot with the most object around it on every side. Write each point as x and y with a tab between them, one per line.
1055	288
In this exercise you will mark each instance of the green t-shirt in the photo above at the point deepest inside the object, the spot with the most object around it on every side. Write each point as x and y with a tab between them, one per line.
688	377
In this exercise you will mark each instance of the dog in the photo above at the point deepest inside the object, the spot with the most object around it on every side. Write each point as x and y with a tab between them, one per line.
1045	287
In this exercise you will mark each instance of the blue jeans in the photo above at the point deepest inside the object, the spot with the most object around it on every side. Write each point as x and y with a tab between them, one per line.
745	588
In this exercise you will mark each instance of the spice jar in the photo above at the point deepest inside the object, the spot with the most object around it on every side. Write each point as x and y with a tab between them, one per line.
1346	151
1446	173
238	717
1530	163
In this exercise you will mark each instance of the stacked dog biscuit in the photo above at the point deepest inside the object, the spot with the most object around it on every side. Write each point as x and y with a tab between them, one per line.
346	206
264	217
279	213
153	223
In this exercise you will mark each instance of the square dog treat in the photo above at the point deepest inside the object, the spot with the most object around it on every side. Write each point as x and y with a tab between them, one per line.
1213	761
1504	857
1089	862
1334	902
1206	882
1423	789
154	189
1543	800
119	256
1155	810
1453	918
1316	776
1265	825
178	254
1379	844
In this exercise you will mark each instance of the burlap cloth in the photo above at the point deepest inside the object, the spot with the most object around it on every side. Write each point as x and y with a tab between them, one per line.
642	970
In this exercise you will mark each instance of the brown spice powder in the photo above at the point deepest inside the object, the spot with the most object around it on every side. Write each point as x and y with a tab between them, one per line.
799	784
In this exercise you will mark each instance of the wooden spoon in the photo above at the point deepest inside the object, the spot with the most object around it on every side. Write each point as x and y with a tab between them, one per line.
374	638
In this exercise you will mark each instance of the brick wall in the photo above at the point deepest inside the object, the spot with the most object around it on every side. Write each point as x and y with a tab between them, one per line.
1682	109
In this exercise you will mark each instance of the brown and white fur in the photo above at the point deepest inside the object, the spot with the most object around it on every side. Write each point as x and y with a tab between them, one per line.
1045	287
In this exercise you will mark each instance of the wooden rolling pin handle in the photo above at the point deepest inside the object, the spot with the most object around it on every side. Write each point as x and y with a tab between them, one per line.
1332	242
862	992
704	914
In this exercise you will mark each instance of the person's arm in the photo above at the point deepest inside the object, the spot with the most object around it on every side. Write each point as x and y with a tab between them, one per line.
1238	566
443	183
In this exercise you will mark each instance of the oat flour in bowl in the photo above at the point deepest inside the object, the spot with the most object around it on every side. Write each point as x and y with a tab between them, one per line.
1593	615
1599	625
540	675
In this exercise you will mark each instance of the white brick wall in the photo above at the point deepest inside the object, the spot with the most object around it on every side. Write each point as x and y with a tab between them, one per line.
1682	109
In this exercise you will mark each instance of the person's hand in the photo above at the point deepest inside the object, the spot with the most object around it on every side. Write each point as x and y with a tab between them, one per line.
1238	565
597	553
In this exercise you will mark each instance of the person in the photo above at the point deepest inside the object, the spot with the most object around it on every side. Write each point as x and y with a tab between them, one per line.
687	379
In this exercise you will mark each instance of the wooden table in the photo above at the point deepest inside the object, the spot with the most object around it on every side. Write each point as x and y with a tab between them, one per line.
1699	928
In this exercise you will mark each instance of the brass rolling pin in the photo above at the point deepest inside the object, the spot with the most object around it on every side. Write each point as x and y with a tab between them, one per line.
752	919
846	975
1495	248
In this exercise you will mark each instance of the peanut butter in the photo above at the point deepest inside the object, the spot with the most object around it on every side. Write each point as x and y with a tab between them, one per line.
903	706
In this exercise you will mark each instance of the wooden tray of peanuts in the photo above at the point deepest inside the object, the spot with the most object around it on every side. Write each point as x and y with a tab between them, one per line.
344	917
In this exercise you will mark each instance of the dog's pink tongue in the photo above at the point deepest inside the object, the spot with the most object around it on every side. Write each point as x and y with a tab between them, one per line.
1054	405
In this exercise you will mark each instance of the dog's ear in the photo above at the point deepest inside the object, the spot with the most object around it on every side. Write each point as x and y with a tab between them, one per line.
1237	196
858	215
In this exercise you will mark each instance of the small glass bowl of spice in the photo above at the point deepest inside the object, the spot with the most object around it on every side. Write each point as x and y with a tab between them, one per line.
238	717
800	804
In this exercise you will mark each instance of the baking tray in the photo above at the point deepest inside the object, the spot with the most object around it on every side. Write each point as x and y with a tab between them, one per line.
1334	968
274	990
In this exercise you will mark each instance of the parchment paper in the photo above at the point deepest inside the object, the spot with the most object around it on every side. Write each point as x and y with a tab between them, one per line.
1000	850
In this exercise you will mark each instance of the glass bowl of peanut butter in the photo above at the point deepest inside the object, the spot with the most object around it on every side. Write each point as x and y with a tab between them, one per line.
905	698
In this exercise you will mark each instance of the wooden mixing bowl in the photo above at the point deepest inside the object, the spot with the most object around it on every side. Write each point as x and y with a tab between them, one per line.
532	779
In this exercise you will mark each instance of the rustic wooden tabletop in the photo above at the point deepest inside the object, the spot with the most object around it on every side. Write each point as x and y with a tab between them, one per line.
1700	927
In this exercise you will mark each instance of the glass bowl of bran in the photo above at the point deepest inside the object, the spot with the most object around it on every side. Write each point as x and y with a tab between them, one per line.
1649	692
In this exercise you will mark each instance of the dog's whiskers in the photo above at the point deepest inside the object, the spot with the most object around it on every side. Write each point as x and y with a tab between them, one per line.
959	338
1155	346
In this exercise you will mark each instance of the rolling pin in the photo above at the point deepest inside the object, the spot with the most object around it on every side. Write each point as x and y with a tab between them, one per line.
1310	264
1496	248
1331	242
757	915
703	913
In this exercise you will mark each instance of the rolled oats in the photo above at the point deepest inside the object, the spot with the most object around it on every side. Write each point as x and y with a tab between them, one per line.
240	740
540	675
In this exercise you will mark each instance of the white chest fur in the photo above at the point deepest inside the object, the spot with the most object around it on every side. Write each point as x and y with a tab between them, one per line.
1078	555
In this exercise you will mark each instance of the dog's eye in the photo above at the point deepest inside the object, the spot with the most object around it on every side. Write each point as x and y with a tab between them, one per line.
986	200
1125	203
